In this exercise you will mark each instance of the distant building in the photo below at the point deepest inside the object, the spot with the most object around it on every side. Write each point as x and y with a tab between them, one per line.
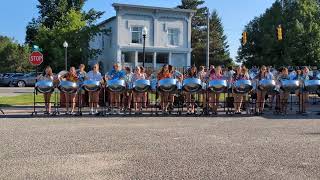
168	40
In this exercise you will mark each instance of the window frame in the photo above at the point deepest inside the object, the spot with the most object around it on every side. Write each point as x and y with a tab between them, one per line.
169	34
139	35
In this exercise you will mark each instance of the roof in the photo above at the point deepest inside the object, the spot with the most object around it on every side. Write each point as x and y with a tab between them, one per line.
153	8
106	21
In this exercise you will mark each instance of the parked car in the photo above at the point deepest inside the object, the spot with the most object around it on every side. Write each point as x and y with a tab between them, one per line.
26	80
6	78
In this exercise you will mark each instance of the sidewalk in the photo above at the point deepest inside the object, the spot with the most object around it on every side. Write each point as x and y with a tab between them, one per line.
27	111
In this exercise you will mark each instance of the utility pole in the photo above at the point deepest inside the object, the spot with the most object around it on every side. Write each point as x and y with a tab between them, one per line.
208	39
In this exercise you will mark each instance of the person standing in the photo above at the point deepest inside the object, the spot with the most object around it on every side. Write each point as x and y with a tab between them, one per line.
165	96
81	77
138	96
115	74
94	75
47	76
190	97
241	74
70	97
301	93
261	94
215	74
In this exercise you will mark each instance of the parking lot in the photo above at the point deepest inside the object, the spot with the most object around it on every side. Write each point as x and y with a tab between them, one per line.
160	148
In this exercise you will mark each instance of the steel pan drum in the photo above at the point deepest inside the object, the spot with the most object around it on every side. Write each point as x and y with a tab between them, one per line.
68	87
116	85
242	86
142	85
44	86
312	85
90	85
267	85
218	86
289	85
192	85
168	85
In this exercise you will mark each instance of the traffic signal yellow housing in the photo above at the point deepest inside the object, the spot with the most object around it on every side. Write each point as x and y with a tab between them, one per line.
279	33
244	38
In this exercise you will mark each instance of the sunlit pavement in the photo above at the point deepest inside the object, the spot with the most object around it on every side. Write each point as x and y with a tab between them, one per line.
160	148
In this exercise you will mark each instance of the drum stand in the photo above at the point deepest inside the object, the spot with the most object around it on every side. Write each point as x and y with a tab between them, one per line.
56	109
2	111
34	102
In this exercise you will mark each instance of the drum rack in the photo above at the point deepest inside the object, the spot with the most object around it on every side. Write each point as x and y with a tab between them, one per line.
153	107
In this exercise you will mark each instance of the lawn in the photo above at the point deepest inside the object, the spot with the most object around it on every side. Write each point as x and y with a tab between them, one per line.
23	99
27	99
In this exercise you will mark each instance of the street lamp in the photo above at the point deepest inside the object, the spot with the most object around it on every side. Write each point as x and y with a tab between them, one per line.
144	35
65	45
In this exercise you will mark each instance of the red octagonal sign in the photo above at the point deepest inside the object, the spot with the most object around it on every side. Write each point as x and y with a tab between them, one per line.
36	58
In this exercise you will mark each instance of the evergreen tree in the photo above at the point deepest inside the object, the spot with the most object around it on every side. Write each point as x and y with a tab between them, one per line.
219	53
198	34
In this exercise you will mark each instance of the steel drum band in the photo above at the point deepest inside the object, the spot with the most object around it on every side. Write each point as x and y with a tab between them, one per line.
191	85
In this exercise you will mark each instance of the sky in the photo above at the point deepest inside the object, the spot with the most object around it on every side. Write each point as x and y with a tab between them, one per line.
235	14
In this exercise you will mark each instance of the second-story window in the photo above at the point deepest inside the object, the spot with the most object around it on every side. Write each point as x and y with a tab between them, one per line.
136	34
173	37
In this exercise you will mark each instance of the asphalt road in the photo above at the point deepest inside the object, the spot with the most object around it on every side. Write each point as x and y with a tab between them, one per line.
14	91
159	148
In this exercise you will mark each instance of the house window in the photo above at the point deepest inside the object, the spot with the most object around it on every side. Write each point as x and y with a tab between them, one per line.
162	58
136	35
173	37
149	57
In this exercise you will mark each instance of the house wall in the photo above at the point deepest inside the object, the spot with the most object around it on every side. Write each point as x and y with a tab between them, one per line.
157	22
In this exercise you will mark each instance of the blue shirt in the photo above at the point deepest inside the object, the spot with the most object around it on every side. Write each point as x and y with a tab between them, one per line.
113	74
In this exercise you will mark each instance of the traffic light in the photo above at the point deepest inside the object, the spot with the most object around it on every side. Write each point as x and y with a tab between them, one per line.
279	33
244	38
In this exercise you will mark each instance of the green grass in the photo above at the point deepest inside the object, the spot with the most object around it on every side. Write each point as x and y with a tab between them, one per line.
27	99
20	100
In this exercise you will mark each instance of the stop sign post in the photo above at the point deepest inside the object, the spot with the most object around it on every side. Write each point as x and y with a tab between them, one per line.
36	58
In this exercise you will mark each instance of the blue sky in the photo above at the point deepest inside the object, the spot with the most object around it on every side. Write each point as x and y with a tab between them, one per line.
15	14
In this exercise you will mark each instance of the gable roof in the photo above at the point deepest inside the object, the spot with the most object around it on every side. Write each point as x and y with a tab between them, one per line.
106	21
115	5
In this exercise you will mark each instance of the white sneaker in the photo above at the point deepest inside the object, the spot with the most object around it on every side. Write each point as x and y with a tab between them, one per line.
91	112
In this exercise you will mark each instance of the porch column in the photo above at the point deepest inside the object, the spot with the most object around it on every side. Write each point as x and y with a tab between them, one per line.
118	56
136	59
188	63
169	59
154	62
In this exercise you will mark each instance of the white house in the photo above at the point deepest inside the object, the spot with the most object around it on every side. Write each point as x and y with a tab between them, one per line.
168	39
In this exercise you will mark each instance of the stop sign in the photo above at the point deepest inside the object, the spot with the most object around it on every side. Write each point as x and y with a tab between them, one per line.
36	58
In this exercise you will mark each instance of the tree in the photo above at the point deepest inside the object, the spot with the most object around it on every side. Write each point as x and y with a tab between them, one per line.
13	56
59	21
300	46
219	53
198	35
